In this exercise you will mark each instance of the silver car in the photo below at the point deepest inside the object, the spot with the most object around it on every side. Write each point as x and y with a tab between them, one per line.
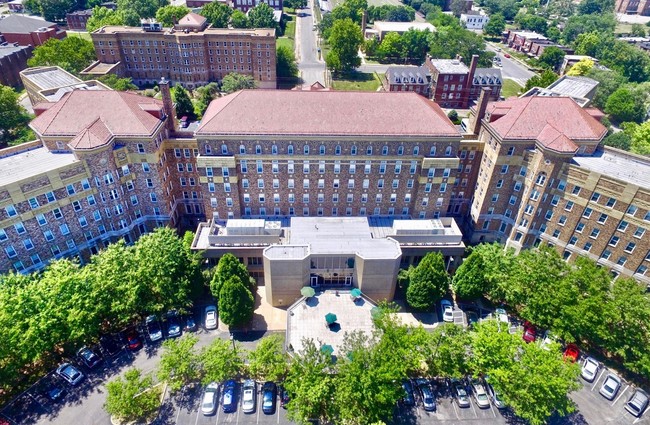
211	317
71	374
209	402
637	404
249	396
590	369
494	396
460	394
610	387
480	395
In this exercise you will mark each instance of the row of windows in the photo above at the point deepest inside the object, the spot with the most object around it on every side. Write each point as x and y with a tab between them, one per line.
322	150
363	211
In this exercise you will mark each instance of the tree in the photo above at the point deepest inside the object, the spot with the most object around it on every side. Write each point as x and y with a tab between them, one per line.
296	4
428	282
311	385
170	15
179	363
619	140
228	267
261	16
234	82
638	30
531	22
12	115
221	361
624	105
72	54
391	46
457	7
117	83
139	8
582	67
608	81
495	26
183	102
268	361
236	303
56	10
217	14
345	39
447	352
132	398
581	24
102	16
238	19
640	141
595	7
484	272
448	42
285	63
415	44
547	78
205	95
453	115
552	57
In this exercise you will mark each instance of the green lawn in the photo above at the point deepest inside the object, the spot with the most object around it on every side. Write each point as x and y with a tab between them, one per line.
357	81
83	34
510	88
288	39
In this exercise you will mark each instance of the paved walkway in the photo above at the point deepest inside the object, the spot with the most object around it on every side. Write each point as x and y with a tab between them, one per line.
266	317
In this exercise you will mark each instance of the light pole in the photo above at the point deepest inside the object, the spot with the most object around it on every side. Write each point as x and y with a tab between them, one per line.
451	260
234	347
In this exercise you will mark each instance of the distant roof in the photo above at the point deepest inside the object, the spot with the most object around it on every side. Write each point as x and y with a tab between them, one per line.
403	74
530	118
450	66
49	77
27	164
574	86
18	24
192	19
10	49
124	114
385	26
119	29
619	165
529	35
284	112
87	12
487	76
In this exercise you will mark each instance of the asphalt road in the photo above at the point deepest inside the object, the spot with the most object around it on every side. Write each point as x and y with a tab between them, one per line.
311	67
512	68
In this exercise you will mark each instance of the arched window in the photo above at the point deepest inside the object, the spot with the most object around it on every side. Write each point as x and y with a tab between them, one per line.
384	150
242	149
338	150
306	149
416	150
432	151
353	150
274	149
448	151
224	149
258	149
321	149
290	149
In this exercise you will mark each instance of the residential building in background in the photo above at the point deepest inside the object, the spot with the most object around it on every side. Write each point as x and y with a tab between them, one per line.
381	28
13	59
633	7
77	20
16	6
408	78
474	20
191	53
246	5
26	31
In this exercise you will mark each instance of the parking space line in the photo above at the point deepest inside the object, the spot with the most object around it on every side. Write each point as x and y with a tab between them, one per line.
178	413
621	394
455	410
218	413
196	421
238	410
597	379
278	412
473	409
492	410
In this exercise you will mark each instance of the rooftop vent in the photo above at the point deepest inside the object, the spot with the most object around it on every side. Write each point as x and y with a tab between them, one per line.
151	25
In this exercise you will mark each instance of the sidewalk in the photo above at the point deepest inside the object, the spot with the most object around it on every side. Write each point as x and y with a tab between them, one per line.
265	317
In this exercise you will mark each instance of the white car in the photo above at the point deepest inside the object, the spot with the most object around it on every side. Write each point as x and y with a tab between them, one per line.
496	400
480	395
548	339
610	387
501	315
249	396
447	310
211	317
590	369
209	402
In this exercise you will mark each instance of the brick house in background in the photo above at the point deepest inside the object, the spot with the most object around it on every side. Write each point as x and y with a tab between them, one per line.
408	78
29	31
13	59
246	5
77	20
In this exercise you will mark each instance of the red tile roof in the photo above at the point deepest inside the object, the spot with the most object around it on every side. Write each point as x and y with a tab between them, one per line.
527	118
554	139
96	135
122	113
330	113
192	19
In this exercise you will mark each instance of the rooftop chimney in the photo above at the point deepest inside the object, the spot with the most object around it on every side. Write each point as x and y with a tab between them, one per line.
472	69
481	106
168	105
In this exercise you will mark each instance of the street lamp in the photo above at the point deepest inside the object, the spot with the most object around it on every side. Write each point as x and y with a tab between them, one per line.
451	260
232	338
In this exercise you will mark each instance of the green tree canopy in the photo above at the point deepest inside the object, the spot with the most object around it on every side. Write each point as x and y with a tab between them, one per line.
234	82
136	9
268	361
218	14
415	44
133	397
170	15
595	7
261	16
531	22
345	39
285	63
495	26
547	78
428	282
205	95
626	105
640	140
391	46
72	54
608	83
552	57
103	16
117	83
56	10
581	24
13	118
448	42
221	361
618	140
236	303
179	362
228	267
238	19
184	106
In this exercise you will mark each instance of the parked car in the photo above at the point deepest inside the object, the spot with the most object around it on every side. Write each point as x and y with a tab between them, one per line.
269	397
610	387
590	369
190	324
472	317
637	403
249	396
211	317
229	399
447	310
460	394
110	344
409	398
54	393
506	55
572	353
284	397
494	396
426	395
153	328
173	324
501	315
547	340
185	122
480	395
530	334
70	374
88	357
133	340
209	402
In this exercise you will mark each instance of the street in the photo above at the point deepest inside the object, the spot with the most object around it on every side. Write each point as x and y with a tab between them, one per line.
312	68
511	68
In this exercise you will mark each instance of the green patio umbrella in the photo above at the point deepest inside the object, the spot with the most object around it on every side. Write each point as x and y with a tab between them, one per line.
327	349
355	293
330	318
307	291
375	312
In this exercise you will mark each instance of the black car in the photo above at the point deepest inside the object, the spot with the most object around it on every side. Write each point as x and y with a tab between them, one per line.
54	393
269	397
111	345
88	357
173	324
284	397
409	396
190	324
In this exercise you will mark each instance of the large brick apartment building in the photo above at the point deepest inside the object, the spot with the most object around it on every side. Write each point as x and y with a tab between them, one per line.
191	53
110	165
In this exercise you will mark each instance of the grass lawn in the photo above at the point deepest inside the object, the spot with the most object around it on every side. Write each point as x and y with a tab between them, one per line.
623	28
288	39
83	34
510	88
357	81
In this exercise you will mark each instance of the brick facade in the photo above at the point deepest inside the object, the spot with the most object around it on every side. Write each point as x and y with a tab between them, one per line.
13	59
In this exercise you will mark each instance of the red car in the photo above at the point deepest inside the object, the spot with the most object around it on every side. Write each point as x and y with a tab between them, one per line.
506	55
530	334
133	340
572	353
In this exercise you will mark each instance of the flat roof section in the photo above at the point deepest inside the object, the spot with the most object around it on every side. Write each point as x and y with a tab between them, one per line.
286	252
23	165
50	77
621	166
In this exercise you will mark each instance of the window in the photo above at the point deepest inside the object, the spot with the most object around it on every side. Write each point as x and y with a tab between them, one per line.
511	151
10	251
448	151
594	233
321	167
336	184
70	188
443	187
499	184
260	183
595	197
632	209
517	186
290	149
647	216
380	184
64	229
306	150
614	240
384	150
629	248
504	169
244	166
513	200
258	149
350	183
639	232
541	179
83	222
321	150
573	240
621	260
305	167
353	150
57	213
409	183
260	166
50	197
305	198
587	246
602	218
556	233
305	183
610	203
33	203
580	227
369	150
587	212
576	190
153	197
382	167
